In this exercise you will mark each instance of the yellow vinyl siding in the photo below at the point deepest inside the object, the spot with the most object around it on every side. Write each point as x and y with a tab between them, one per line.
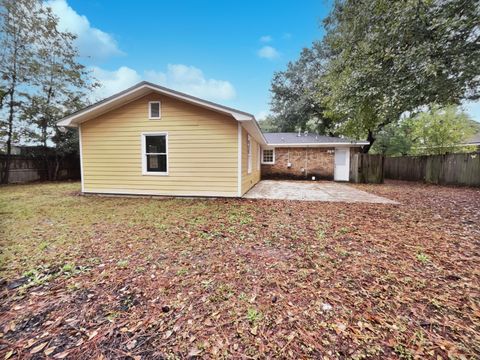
202	150
249	180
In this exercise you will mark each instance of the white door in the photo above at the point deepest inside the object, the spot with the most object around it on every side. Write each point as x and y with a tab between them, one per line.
342	165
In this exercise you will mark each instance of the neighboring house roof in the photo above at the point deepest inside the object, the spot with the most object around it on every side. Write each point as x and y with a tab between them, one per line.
474	140
308	139
143	88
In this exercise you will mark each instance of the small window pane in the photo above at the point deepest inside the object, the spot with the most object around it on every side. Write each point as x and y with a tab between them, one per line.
156	144
268	156
157	163
155	110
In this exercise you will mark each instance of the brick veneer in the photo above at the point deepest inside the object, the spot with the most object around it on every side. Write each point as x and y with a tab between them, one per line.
318	162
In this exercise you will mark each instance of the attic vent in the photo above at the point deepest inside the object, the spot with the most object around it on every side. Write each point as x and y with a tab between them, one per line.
154	110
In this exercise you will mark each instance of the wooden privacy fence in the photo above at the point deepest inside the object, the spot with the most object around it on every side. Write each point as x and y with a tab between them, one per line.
366	168
450	169
35	168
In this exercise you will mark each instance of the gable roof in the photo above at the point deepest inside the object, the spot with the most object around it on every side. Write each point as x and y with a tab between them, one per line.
143	88
292	139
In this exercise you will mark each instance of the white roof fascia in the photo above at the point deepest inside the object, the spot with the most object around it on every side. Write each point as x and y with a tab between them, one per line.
362	143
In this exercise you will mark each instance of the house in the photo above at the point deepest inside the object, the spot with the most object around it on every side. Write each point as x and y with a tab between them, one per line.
151	140
304	155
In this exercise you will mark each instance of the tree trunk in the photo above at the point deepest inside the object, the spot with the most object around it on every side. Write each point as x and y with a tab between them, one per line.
371	140
44	129
45	158
58	159
8	160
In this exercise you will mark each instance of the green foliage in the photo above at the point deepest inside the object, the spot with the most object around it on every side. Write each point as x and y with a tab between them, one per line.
59	82
440	131
269	124
394	139
435	131
294	94
395	57
378	61
40	78
20	24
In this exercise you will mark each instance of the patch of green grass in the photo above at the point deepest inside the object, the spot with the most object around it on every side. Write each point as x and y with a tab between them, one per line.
344	230
240	217
68	268
78	220
36	278
435	303
73	287
206	284
403	352
222	292
423	258
253	316
320	234
140	269
182	271
342	252
111	316
94	261
123	263
161	226
303	273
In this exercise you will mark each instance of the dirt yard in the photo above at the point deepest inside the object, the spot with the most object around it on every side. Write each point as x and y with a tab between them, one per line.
136	278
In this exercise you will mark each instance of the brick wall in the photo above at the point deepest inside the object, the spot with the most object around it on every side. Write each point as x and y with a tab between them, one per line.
305	163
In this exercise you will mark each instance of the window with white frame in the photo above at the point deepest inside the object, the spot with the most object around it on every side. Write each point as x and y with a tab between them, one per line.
155	154
249	154
154	110
268	156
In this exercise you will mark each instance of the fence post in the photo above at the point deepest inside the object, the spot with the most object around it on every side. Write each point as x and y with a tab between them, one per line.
368	168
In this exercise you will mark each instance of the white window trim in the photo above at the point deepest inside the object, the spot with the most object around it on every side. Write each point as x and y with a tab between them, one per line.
150	117
249	154
259	156
273	157
144	153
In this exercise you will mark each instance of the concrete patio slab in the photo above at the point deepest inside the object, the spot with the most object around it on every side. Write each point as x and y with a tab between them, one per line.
312	191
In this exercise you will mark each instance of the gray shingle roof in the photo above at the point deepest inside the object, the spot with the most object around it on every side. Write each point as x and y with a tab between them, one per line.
309	138
475	139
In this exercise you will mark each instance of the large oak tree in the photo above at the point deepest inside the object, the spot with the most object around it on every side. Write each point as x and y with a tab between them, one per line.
381	59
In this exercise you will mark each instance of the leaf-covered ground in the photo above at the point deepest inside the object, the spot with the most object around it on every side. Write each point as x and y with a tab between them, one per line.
102	278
